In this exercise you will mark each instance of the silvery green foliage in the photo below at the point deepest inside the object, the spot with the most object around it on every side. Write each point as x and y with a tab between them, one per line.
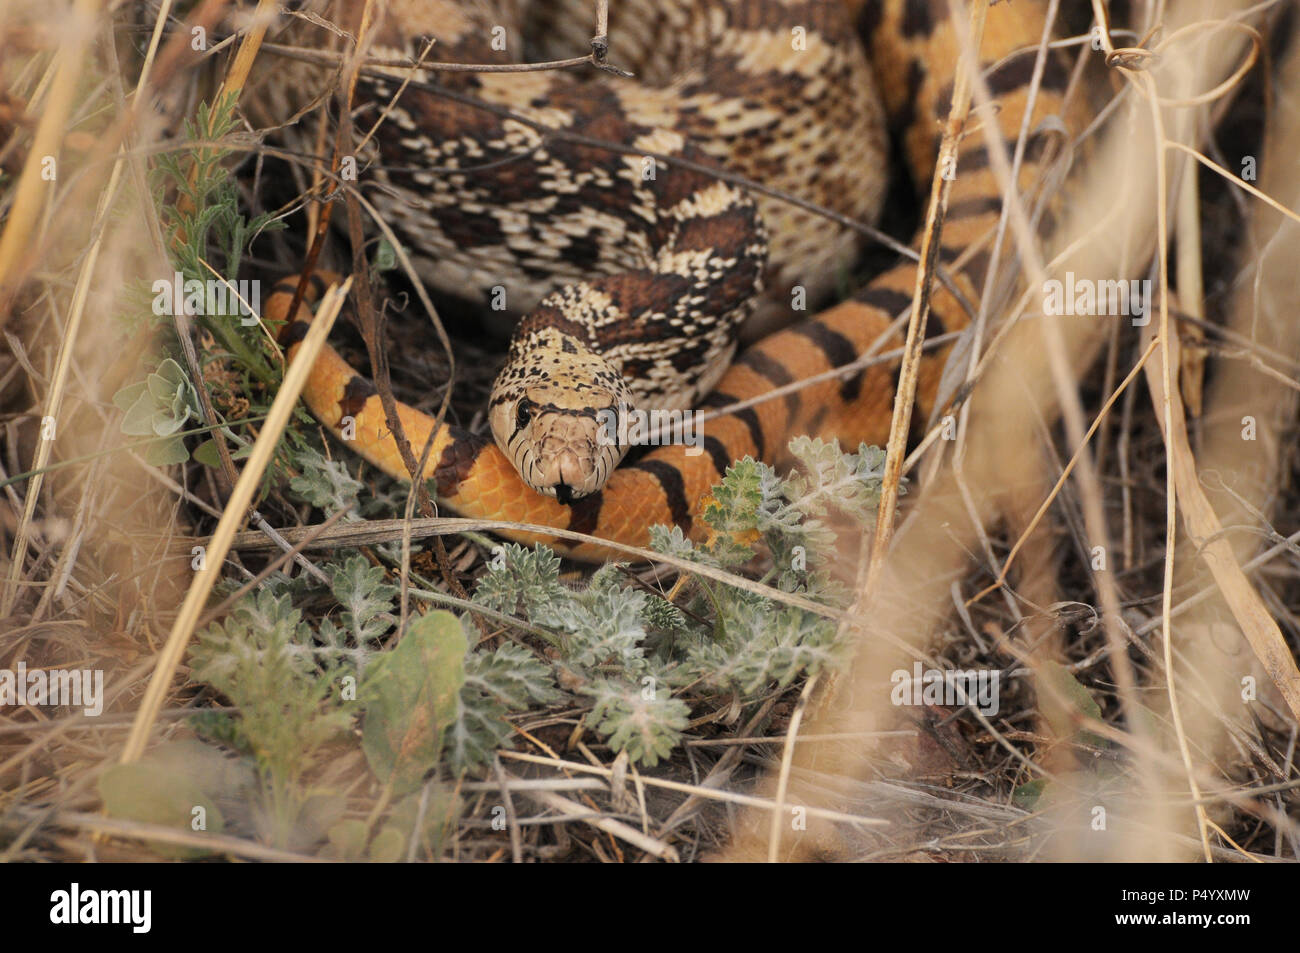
519	579
207	236
265	632
671	541
632	652
823	480
208	225
825	476
367	616
366	599
260	657
760	646
790	515
661	615
602	633
159	406
325	484
627	649
644	721
508	679
602	628
261	628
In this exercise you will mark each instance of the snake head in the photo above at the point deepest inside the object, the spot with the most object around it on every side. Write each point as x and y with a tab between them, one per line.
554	413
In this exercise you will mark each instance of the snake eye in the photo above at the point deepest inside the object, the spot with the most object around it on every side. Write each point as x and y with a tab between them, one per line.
523	412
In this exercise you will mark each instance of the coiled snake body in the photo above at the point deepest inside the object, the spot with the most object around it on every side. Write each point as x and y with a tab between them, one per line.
635	282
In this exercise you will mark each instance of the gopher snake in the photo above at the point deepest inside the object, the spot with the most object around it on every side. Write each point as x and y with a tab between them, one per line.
655	273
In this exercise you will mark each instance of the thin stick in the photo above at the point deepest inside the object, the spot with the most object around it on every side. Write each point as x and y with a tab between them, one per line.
1172	455
650	845
713	794
161	834
1240	183
783	779
909	373
237	75
1259	627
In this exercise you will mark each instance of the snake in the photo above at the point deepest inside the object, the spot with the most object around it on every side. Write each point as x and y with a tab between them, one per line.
593	205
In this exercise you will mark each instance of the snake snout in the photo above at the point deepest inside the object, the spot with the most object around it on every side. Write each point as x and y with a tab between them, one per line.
567	459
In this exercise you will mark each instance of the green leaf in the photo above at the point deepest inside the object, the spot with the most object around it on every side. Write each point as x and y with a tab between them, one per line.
262	656
425	818
348	840
129	394
1028	794
207	454
510	678
160	406
325	484
413	696
1076	697
520	579
645	722
385	258
367	600
389	846
166	381
138	420
671	541
512	674
166	452
825	476
602	626
165	422
737	498
169	784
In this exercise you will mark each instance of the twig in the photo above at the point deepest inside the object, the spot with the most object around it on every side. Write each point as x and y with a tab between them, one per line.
873	549
1165	411
783	777
713	794
220	609
158	833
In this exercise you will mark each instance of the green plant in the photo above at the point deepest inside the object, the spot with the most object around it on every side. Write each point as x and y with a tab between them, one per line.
159	406
292	702
206	236
437	704
629	650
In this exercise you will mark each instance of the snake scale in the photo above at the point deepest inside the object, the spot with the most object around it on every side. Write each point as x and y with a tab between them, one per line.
634	284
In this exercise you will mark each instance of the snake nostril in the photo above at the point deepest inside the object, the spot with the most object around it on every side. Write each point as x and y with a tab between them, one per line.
564	493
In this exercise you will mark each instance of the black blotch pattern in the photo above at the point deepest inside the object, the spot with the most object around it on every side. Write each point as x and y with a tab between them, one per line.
839	351
674	487
747	416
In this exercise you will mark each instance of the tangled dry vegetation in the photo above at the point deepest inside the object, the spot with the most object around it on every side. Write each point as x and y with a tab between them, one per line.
299	661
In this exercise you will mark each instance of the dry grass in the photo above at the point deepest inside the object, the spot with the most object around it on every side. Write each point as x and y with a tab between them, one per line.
1077	435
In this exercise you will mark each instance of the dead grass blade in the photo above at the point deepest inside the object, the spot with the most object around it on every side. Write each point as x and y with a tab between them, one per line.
32	186
1202	523
869	566
236	507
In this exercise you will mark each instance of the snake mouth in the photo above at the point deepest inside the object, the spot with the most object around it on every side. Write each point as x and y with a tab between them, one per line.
571	473
563	454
